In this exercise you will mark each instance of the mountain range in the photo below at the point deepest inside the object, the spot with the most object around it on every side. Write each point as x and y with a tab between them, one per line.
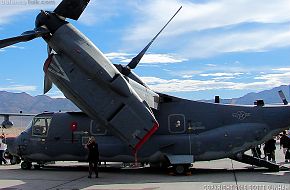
269	96
16	102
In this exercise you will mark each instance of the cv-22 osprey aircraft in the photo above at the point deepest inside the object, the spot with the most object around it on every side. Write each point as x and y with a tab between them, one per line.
149	126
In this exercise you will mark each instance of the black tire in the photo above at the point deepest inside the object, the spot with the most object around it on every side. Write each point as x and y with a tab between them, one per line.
12	161
15	160
180	169
18	160
26	165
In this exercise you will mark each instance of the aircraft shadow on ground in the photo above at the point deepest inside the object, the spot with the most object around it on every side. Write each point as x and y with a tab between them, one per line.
111	175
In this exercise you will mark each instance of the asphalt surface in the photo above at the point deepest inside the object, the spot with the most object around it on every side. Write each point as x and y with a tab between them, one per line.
222	174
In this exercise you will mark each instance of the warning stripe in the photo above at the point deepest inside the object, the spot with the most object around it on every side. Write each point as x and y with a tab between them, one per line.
146	137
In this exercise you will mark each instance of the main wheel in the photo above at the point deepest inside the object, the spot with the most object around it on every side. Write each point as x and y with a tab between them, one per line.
180	169
36	166
26	165
15	160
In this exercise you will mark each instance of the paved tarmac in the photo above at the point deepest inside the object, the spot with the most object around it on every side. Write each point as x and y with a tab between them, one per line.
222	174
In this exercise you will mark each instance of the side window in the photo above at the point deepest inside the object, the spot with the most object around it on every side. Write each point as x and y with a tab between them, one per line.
176	123
40	126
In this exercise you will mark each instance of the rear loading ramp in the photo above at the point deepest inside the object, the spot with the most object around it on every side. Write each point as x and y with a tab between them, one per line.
256	161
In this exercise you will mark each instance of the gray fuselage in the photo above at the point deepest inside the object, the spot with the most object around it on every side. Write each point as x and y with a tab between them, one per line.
204	131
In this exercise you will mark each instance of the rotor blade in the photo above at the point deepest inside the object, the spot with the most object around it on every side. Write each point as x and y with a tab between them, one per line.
71	8
24	37
134	62
47	84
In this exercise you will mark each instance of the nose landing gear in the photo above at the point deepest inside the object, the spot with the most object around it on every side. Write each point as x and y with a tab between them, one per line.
25	165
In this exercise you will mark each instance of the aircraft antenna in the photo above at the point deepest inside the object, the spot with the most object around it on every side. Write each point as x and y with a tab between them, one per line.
134	62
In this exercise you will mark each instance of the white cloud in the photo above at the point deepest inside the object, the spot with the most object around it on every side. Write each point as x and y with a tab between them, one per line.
11	81
11	47
283	77
285	69
222	22
100	11
211	65
220	19
19	88
96	11
206	15
186	76
220	74
55	94
10	8
118	56
159	58
189	85
247	41
147	58
153	80
184	73
222	78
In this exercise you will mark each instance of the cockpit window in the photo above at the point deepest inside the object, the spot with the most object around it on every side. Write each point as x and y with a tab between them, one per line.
29	126
40	126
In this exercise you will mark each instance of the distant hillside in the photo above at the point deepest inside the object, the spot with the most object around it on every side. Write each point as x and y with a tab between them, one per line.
16	102
269	96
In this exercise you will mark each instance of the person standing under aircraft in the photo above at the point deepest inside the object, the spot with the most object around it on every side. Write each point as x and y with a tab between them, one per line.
2	150
93	157
269	149
285	144
256	151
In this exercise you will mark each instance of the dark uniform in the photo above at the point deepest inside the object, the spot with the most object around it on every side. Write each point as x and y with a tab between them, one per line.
269	149
285	143
93	158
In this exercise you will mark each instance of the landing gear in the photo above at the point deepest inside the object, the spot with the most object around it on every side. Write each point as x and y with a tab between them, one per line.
25	165
15	160
36	166
181	169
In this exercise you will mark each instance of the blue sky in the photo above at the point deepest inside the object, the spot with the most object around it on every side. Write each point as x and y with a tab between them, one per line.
212	47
